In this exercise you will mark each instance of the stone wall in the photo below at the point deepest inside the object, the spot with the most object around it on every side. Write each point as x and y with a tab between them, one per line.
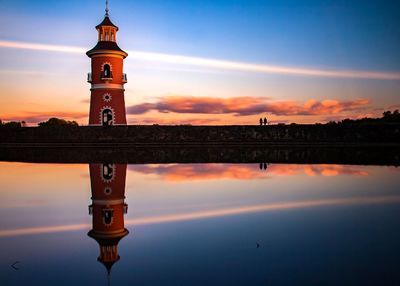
203	135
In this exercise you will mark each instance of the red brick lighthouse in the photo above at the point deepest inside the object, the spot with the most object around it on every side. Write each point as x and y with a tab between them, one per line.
108	208
107	103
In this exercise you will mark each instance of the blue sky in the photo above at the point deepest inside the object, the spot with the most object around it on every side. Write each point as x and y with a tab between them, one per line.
355	34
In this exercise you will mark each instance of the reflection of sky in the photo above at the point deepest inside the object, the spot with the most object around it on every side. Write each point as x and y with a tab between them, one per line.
187	190
321	225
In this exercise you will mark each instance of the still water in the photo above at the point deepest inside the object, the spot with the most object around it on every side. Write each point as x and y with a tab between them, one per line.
199	224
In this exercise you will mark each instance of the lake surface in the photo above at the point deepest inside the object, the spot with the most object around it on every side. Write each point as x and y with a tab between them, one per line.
199	224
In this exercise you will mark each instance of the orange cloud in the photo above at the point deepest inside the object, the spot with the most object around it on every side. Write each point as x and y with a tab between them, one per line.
175	121
198	172
244	106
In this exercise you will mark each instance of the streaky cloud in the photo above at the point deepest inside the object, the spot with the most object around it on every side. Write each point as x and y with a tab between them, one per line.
217	63
206	214
42	47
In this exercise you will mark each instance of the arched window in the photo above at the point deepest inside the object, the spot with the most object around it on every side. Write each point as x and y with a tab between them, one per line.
107	171
107	117
106	72
108	216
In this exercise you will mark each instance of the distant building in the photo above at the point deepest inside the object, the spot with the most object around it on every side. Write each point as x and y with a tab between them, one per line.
107	103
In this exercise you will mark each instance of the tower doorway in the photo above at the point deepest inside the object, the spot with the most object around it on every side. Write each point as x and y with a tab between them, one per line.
107	117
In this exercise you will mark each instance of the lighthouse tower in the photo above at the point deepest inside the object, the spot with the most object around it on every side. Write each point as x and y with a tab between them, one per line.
108	209
107	103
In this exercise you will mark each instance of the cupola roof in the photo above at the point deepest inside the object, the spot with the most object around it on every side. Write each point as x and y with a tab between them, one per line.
106	22
104	47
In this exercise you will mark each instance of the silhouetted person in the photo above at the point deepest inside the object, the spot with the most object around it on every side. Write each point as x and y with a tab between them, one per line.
265	121
261	121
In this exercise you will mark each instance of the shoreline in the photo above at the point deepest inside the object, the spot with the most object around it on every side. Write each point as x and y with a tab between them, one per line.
344	155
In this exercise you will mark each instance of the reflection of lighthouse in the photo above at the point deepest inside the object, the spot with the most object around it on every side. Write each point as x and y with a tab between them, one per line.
108	209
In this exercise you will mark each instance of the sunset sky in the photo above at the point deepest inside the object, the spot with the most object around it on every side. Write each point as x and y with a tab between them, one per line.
205	61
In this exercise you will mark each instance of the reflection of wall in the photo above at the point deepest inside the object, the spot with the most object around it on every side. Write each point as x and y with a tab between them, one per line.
203	153
108	209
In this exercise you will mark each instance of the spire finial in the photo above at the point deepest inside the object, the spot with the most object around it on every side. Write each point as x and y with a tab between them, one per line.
107	8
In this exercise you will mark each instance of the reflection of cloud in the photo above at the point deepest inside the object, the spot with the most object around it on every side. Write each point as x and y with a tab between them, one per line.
216	64
26	204
243	106
317	170
185	172
190	172
212	214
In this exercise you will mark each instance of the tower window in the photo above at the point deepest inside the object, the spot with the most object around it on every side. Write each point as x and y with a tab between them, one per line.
107	74
107	171
108	216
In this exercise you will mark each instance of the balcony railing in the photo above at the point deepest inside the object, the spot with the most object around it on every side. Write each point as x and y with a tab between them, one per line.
124	78
89	77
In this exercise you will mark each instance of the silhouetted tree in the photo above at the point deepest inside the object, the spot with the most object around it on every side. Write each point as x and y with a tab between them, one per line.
57	122
11	124
387	117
